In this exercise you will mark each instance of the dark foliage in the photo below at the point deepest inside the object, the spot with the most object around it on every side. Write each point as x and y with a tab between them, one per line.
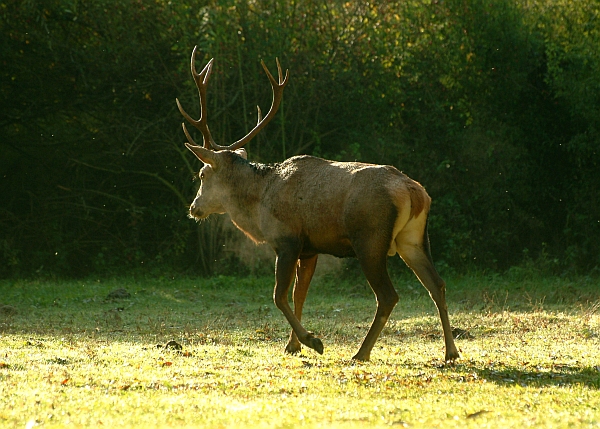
493	105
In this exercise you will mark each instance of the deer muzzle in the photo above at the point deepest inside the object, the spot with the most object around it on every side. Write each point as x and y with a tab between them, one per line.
196	212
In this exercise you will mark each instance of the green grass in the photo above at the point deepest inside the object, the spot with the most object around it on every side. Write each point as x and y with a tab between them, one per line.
68	356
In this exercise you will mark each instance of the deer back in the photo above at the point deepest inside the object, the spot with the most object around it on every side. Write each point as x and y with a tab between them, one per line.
325	203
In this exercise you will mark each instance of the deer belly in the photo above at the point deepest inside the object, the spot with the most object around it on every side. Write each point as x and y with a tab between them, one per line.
342	248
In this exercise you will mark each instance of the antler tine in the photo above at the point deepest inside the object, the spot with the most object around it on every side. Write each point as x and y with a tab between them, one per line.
201	80
277	86
188	136
278	70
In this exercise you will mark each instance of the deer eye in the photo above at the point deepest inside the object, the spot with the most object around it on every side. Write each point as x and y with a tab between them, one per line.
201	176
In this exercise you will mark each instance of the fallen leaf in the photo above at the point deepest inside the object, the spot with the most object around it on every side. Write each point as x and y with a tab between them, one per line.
173	345
116	294
8	310
477	414
459	333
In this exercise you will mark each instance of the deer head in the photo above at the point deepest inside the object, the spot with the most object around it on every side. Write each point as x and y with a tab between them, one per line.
208	199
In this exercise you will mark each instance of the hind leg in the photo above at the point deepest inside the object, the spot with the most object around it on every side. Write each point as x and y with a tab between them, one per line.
373	260
416	254
304	274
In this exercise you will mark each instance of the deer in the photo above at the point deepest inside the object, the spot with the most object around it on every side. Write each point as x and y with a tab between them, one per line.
306	206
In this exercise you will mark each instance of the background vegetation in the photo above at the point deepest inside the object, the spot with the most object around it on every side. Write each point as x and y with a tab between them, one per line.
493	105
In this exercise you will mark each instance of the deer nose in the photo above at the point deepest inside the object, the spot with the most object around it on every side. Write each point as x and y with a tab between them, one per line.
195	212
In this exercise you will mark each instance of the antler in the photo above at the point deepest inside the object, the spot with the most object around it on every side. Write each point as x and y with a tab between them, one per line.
201	82
277	86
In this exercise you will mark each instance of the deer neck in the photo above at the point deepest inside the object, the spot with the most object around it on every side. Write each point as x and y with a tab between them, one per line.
247	184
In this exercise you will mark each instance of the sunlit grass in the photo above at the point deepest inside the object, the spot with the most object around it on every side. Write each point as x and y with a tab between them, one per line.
68	356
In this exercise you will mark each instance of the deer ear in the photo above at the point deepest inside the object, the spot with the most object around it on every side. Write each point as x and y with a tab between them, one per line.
241	152
207	156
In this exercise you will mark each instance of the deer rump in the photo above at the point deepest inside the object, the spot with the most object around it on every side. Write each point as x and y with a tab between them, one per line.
326	206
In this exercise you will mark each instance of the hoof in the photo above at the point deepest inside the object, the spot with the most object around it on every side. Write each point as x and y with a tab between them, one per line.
451	356
316	345
313	343
293	348
361	358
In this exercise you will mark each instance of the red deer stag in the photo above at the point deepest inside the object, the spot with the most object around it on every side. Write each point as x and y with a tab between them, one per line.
306	205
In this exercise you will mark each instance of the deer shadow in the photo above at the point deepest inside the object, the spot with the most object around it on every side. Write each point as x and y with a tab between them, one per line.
557	376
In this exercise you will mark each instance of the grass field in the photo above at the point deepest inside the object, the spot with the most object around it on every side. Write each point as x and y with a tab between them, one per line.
70	356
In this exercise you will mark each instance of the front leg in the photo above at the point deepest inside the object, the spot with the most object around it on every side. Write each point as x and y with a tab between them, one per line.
285	268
